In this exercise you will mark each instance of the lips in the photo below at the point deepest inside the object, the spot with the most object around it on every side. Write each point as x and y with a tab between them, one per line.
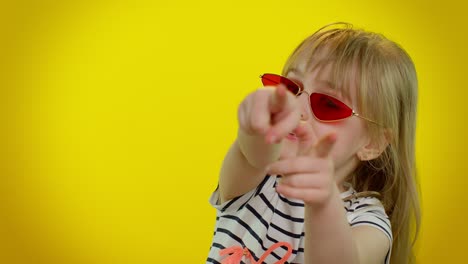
291	136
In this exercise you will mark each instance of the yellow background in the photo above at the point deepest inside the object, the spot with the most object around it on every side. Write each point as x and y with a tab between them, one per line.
116	116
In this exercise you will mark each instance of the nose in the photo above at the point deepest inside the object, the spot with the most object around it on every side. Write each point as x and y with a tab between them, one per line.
304	106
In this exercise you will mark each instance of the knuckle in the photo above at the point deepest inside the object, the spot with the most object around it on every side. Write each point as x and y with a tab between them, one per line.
262	92
294	182
256	125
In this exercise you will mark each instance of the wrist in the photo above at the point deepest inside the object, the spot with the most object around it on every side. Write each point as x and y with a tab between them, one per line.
331	199
255	149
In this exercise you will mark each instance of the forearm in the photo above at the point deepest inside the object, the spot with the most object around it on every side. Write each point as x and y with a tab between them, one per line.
256	151
244	165
328	237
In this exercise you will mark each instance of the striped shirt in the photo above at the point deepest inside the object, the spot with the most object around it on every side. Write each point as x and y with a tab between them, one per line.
262	217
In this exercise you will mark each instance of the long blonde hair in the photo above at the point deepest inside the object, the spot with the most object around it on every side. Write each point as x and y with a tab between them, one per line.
387	93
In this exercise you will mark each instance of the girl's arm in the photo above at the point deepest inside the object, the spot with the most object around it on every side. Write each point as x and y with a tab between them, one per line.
244	165
328	236
330	239
265	117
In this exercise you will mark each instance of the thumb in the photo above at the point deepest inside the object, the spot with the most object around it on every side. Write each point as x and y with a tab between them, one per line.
324	146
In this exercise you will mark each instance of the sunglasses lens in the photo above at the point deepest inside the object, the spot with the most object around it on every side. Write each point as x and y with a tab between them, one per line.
327	108
273	79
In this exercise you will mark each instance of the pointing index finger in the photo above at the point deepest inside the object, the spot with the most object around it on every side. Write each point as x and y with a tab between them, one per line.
278	99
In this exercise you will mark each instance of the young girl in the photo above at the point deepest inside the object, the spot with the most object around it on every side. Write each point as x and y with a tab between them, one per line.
322	170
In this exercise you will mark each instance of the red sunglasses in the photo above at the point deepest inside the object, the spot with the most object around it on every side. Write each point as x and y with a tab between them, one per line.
324	107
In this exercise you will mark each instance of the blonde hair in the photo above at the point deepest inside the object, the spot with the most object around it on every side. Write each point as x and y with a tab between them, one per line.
387	93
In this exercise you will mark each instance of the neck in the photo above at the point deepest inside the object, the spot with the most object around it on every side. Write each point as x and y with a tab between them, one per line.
344	173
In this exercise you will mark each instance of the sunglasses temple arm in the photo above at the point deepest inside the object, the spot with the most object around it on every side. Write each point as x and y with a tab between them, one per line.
367	119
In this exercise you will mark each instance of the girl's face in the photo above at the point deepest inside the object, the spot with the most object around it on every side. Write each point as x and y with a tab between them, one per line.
351	132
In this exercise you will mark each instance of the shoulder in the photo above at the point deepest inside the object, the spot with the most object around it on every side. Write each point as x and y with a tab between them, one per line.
370	224
368	211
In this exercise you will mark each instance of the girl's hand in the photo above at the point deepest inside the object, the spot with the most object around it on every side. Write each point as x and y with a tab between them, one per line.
271	111
310	175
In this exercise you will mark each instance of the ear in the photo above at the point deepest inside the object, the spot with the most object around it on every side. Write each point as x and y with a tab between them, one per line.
375	148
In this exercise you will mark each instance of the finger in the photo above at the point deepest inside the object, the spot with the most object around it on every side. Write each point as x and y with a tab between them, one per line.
242	118
284	126
305	136
278	99
323	147
258	113
304	180
305	194
302	164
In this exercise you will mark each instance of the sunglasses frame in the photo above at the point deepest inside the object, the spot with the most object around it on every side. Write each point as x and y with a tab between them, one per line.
301	91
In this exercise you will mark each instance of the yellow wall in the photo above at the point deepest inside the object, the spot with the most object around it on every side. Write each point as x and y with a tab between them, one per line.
116	116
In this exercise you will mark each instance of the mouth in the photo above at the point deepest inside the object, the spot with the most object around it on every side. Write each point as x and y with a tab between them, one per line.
291	136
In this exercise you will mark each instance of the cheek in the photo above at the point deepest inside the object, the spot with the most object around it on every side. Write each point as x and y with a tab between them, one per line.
346	146
322	129
342	149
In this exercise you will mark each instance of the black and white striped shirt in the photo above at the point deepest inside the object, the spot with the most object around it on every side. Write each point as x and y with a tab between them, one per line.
262	217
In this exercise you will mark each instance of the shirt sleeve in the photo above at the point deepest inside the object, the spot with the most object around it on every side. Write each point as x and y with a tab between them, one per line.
239	202
369	211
